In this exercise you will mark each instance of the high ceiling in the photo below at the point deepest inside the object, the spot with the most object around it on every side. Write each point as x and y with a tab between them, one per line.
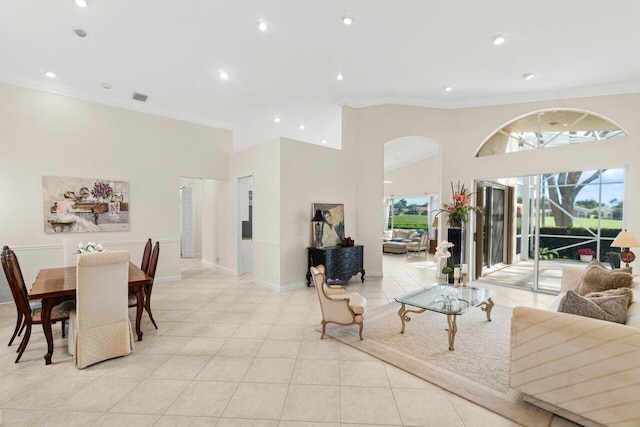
394	52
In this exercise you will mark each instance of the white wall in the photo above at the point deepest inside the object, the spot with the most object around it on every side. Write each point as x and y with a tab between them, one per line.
216	229
416	179
263	162
47	134
311	174
460	133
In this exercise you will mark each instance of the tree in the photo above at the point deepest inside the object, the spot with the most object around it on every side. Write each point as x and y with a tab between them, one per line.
563	188
588	204
616	206
400	205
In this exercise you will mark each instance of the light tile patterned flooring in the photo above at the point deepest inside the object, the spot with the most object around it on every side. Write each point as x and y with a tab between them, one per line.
232	353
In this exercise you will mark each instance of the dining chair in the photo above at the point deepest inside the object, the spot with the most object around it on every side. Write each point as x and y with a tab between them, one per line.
144	265
28	311
151	271
341	308
99	327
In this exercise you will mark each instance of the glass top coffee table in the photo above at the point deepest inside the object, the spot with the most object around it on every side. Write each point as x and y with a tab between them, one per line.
445	299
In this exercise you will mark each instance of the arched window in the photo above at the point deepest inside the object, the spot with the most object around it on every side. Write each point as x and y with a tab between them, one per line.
550	128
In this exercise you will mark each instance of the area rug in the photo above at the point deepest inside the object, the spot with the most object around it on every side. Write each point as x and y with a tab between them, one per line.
477	370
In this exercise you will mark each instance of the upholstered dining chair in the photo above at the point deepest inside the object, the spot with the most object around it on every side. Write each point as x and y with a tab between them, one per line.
151	271
28	311
99	327
338	307
146	256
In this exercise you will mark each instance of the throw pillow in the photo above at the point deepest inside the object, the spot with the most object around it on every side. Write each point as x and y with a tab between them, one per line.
609	308
397	239
613	292
597	279
413	235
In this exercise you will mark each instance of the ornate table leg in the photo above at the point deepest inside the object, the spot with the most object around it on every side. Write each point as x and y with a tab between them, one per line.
403	315
486	307
362	275
308	279
45	313
139	309
453	328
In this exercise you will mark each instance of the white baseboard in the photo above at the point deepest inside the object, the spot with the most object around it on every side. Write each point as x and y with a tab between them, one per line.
277	288
210	264
167	279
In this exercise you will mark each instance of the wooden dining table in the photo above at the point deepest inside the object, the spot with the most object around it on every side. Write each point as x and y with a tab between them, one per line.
56	285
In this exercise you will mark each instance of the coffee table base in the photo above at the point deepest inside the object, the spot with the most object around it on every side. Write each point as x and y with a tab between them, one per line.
451	319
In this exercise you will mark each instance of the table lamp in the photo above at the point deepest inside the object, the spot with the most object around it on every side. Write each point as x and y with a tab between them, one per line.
317	221
626	240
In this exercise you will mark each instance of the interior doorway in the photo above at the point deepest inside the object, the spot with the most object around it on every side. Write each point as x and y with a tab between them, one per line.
245	224
187	226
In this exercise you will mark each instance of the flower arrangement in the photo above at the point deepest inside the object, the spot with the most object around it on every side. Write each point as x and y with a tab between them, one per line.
460	207
101	190
442	252
585	251
89	248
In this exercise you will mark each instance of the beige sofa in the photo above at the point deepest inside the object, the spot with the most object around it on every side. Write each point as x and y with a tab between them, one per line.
408	236
583	369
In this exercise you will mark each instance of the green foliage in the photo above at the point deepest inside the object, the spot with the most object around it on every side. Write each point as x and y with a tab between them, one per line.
547	254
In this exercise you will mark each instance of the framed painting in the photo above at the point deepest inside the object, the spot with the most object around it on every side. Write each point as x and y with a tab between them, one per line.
333	222
76	205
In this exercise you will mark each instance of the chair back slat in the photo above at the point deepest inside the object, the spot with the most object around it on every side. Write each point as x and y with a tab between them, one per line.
146	256
13	273
153	262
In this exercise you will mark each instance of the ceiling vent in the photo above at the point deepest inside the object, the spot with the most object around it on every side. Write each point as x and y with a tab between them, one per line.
140	97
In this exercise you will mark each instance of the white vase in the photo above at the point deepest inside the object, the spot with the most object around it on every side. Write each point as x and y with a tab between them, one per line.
586	258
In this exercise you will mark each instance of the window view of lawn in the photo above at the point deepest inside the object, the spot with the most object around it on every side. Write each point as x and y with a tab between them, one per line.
409	213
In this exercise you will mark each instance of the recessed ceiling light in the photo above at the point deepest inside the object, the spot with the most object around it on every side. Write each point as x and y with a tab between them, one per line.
448	88
340	76
347	20
499	39
80	32
105	85
263	26
276	119
50	74
301	127
82	3
528	76
387	182
223	75
324	141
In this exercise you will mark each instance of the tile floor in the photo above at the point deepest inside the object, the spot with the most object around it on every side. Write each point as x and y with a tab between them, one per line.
232	353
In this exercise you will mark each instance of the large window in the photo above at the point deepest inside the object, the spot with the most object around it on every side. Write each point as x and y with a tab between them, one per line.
547	129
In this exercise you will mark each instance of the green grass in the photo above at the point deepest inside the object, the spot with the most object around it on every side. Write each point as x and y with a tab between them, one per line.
410	221
588	222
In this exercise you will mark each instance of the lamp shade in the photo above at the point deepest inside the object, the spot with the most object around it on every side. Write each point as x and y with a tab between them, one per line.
435	223
318	216
625	240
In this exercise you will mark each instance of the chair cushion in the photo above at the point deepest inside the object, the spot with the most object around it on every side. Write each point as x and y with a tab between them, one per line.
58	312
133	300
357	303
596	278
610	308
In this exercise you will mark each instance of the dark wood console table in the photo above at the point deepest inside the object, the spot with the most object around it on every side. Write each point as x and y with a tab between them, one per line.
340	262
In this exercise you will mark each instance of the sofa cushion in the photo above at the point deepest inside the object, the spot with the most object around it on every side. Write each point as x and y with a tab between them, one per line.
613	292
596	278
610	308
403	234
